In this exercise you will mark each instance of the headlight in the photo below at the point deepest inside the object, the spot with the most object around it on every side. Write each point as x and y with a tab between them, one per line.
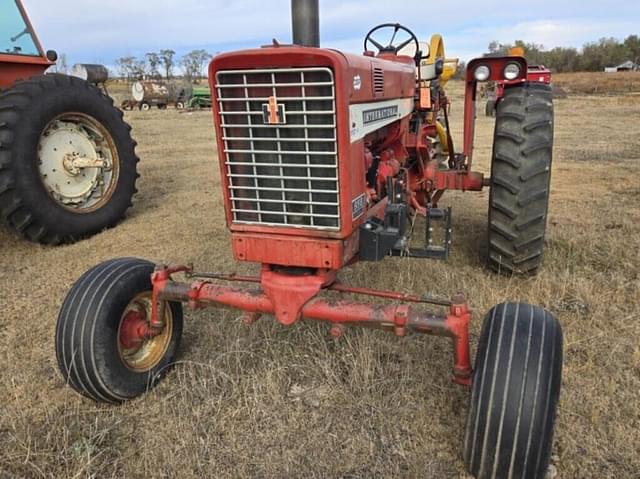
482	73
511	71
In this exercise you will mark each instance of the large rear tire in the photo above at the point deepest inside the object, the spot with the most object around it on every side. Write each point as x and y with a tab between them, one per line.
520	178
98	345
515	391
46	124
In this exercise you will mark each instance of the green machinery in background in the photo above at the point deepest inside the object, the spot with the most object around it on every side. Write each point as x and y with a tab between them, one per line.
200	97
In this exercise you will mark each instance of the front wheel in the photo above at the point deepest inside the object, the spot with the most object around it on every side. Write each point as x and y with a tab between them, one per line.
520	179
515	391
105	348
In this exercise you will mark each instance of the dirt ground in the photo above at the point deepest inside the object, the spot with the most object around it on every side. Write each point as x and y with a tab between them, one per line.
270	401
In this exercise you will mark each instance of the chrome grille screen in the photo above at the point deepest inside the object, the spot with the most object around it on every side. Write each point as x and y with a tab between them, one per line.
280	148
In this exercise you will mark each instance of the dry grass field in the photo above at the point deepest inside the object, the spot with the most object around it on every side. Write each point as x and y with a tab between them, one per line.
598	83
272	402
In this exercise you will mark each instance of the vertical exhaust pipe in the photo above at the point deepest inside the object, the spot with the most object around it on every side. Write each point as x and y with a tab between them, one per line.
305	20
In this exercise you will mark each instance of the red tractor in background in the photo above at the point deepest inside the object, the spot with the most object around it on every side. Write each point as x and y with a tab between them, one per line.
326	159
67	159
495	92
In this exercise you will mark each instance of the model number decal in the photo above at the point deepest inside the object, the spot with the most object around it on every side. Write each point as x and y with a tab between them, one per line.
357	206
379	114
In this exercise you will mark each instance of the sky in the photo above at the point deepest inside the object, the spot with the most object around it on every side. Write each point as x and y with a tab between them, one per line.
100	31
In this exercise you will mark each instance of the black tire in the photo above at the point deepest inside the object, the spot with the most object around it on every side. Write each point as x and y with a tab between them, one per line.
87	332
520	179
25	204
515	391
144	106
490	108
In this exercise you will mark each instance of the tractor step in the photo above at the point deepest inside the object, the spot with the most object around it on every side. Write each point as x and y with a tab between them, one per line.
433	250
380	238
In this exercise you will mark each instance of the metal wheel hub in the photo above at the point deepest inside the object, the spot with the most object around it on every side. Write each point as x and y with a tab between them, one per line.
140	346
77	162
133	330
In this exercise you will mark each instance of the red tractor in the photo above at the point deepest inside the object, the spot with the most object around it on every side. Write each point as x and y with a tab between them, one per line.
67	160
326	159
495	92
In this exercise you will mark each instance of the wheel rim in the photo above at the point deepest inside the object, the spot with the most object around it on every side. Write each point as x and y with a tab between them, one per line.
66	139
137	351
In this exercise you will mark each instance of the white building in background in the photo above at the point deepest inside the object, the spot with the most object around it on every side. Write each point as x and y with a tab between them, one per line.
627	66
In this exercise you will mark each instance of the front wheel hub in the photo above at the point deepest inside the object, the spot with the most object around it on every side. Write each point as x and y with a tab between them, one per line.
133	330
142	347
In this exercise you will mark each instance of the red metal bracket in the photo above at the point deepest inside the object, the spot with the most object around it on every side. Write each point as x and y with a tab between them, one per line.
458	323
289	293
159	278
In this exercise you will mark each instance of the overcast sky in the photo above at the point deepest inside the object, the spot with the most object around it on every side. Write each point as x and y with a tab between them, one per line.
102	30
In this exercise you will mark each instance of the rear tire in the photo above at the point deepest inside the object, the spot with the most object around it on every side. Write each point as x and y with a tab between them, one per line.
145	107
520	178
515	391
32	108
91	355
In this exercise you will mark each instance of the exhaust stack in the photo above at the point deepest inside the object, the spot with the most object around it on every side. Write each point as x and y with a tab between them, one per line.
305	21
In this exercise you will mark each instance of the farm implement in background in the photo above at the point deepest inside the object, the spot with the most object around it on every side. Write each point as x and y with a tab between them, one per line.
327	159
146	94
200	98
67	159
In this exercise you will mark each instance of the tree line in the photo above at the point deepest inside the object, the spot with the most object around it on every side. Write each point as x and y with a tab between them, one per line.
594	56
162	65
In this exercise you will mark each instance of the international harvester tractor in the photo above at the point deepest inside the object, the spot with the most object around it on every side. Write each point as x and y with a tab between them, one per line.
326	159
67	160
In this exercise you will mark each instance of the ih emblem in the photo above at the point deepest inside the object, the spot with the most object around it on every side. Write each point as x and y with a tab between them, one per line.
274	113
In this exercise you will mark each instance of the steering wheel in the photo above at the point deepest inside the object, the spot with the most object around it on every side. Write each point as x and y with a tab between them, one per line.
391	47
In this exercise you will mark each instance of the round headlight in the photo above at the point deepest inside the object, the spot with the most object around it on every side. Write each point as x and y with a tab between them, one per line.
482	73
511	71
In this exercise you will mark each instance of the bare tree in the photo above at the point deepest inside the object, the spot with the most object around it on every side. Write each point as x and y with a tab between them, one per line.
131	68
166	59
194	64
125	66
153	61
139	70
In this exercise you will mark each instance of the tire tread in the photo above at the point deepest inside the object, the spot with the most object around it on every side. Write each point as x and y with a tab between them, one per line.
509	431
520	178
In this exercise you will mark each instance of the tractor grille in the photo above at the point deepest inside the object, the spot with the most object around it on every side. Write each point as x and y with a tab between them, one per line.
280	148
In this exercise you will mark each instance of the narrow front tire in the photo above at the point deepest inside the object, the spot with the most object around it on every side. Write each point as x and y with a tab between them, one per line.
515	391
101	347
